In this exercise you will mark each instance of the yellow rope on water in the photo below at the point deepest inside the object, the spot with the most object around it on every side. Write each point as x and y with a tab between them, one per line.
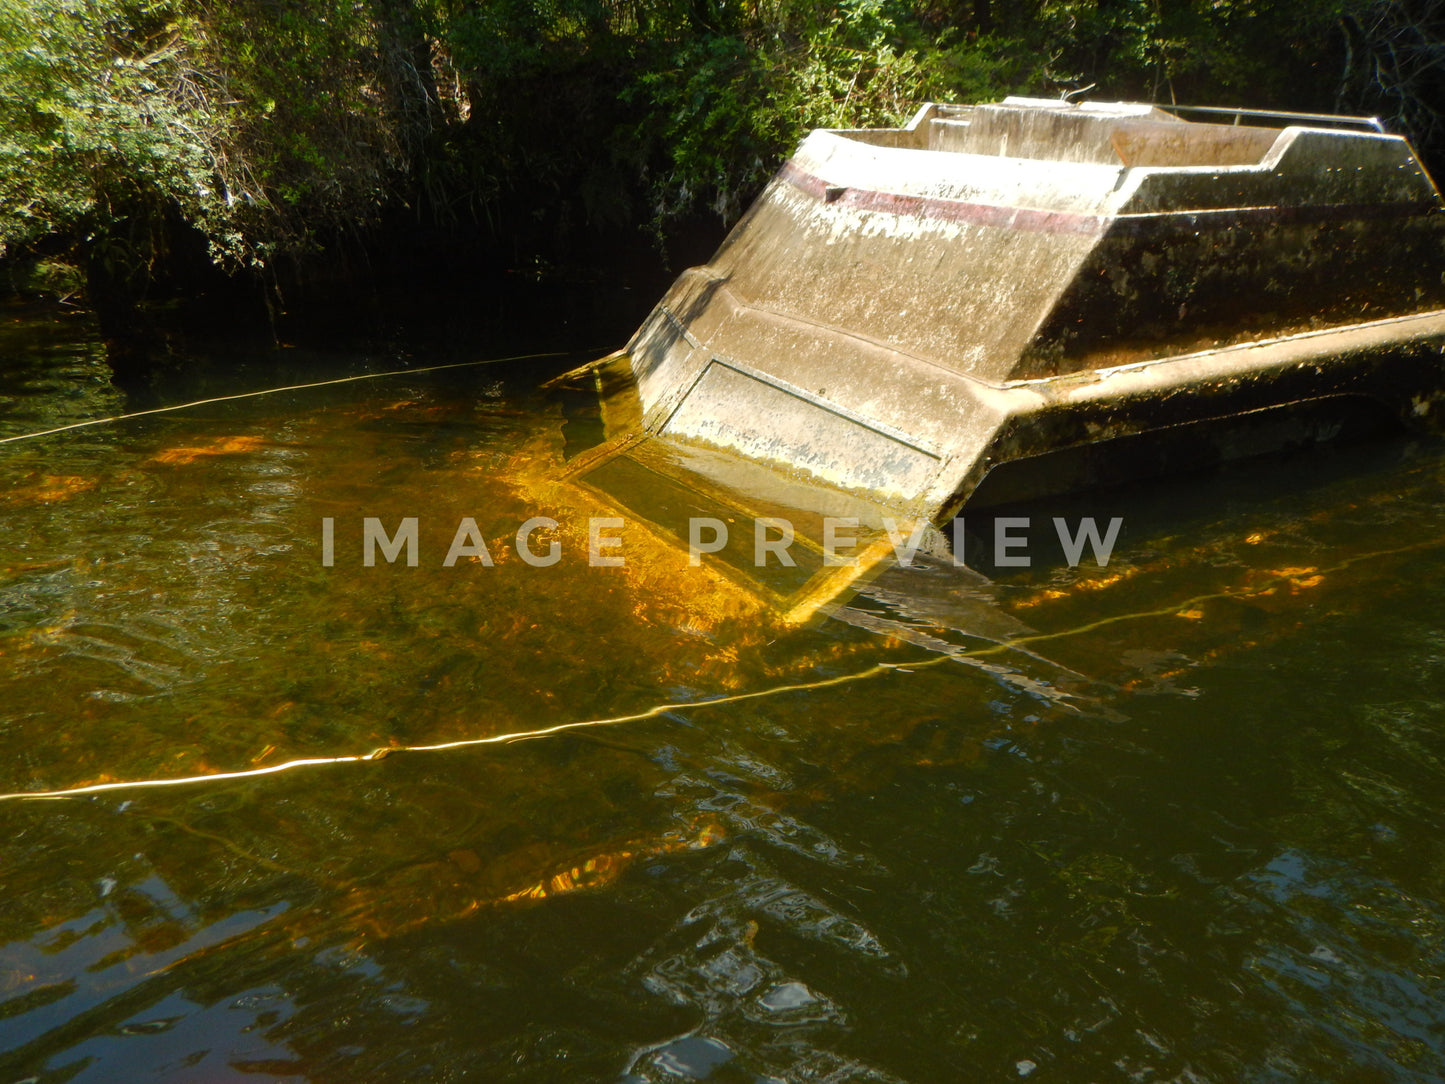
275	391
697	705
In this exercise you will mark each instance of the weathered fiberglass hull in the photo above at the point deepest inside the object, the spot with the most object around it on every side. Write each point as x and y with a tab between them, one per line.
904	310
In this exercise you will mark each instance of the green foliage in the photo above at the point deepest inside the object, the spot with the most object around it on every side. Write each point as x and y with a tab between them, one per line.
255	122
315	133
1251	50
273	125
716	111
95	123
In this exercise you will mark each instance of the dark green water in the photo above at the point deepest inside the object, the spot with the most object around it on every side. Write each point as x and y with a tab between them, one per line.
1187	828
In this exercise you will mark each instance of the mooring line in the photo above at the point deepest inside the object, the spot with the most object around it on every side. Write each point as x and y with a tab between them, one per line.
758	694
495	739
289	387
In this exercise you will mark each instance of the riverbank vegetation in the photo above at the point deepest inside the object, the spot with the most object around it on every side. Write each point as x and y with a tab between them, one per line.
164	146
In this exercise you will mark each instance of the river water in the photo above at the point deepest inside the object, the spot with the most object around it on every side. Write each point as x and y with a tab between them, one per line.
1174	819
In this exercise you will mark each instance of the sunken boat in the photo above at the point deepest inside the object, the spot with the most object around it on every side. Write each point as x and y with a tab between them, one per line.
1079	292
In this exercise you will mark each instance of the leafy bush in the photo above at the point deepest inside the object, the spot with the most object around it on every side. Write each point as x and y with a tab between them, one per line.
99	123
255	122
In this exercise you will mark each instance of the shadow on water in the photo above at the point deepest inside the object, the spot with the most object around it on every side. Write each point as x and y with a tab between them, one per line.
1176	817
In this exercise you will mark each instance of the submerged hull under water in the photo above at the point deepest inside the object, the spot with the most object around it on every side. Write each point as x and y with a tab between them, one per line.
1081	294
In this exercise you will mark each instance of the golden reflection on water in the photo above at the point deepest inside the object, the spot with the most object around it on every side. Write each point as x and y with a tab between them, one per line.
218	446
47	488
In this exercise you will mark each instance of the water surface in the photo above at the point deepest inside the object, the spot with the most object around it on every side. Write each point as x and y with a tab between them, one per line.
1174	819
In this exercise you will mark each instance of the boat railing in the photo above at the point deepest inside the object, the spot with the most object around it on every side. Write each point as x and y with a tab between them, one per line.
1372	123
